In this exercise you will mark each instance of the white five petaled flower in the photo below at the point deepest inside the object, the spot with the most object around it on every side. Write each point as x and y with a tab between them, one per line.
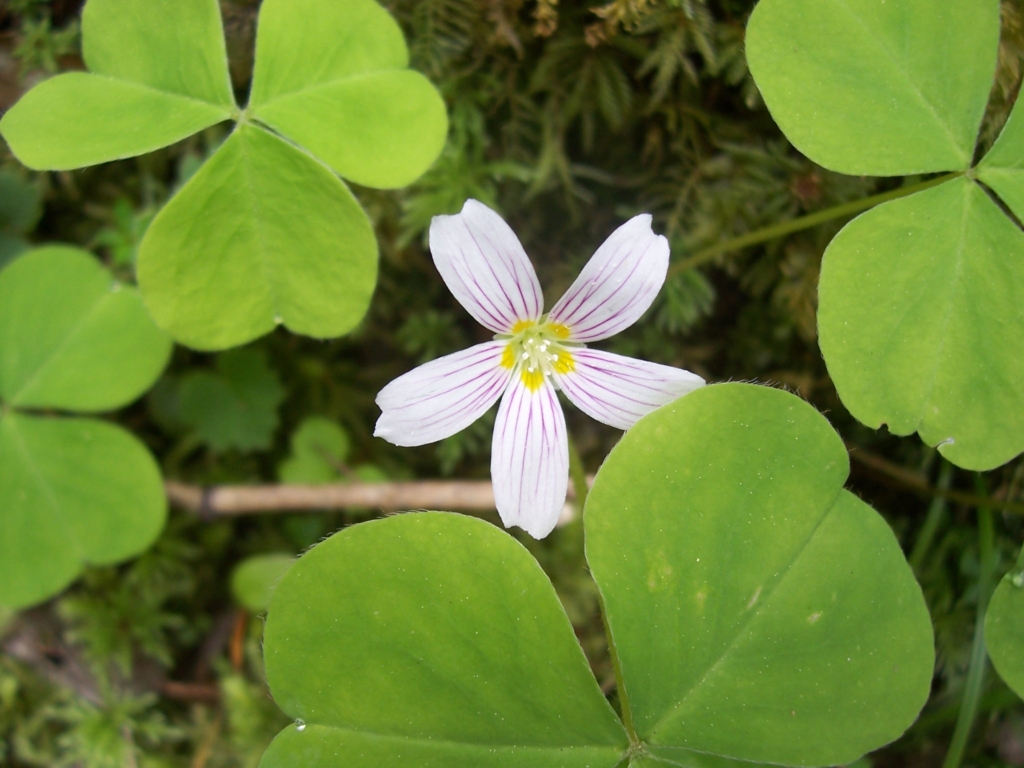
533	355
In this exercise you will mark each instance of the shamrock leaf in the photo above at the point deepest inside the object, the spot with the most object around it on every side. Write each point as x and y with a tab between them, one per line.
73	491
868	87
262	234
73	338
759	612
319	451
920	299
1002	169
332	77
265	233
254	579
1004	627
921	309
430	640
235	407
21	206
158	75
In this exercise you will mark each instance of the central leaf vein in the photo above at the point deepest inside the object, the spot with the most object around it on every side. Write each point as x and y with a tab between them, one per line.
766	594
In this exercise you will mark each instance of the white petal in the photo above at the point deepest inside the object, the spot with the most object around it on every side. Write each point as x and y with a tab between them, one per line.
444	396
617	285
530	459
620	390
485	267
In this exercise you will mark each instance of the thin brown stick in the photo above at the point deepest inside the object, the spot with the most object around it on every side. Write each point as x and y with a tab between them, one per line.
206	693
456	495
222	500
917	484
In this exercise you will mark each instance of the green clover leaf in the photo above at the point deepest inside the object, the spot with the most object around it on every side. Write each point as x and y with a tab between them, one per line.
319	451
921	311
759	612
234	230
430	640
332	77
266	233
1004	627
21	207
234	407
920	299
875	88
254	579
73	491
1002	169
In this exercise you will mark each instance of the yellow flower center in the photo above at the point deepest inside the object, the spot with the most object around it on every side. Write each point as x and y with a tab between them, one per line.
537	349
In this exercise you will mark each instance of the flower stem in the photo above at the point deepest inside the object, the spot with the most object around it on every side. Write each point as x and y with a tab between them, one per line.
936	514
979	659
578	476
804	222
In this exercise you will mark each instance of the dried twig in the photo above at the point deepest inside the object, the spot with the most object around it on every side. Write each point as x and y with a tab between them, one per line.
222	500
460	495
917	483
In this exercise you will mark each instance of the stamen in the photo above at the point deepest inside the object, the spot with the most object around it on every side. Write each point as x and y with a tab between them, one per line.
536	350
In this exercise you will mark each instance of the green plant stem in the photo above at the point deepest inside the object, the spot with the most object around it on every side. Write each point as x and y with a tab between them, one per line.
992	701
578	475
804	222
936	514
979	659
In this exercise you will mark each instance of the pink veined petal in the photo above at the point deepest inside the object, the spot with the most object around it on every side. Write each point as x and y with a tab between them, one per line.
530	459
619	390
617	285
485	267
442	397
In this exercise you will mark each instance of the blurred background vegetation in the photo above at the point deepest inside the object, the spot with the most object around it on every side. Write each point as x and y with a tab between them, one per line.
567	117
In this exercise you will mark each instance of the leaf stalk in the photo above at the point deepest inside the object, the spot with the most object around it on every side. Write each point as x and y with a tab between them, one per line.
979	657
804	222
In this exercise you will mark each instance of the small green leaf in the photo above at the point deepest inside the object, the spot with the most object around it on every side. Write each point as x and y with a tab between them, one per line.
254	579
426	641
72	337
319	449
72	492
370	473
1004	630
299	249
304	43
382	129
869	87
760	612
236	407
80	119
1002	168
175	46
11	246
21	203
921	314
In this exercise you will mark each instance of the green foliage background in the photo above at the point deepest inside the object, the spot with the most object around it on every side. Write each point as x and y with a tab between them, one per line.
568	118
